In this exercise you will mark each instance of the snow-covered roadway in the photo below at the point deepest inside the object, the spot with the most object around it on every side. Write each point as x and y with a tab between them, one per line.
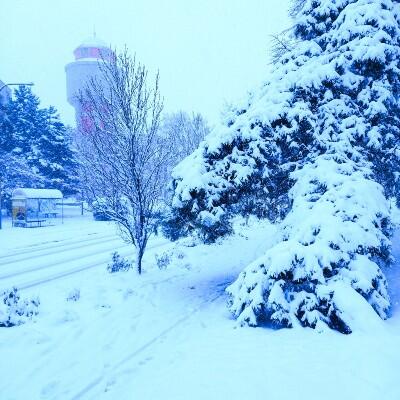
37	264
49	253
31	251
42	270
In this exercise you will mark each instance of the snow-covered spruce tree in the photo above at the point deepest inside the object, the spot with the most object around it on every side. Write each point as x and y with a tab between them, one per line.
24	122
54	158
36	137
233	171
323	126
14	172
18	126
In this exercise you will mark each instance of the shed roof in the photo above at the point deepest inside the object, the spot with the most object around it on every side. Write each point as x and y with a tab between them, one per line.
26	193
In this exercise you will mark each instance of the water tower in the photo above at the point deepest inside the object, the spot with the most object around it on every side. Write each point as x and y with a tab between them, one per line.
88	55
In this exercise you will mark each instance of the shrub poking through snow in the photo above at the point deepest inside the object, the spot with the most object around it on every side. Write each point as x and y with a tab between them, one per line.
118	263
14	310
164	259
318	147
74	295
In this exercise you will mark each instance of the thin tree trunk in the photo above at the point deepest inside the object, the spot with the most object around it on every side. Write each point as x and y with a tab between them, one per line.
139	258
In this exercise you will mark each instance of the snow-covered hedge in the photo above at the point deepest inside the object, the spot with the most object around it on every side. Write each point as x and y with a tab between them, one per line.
16	311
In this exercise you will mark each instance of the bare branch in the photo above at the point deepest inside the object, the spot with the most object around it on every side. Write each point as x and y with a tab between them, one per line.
122	156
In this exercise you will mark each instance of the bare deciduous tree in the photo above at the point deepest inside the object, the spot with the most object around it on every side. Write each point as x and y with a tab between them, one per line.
282	44
122	154
184	133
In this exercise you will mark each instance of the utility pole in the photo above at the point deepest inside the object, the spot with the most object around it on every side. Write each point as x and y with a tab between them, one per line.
1	88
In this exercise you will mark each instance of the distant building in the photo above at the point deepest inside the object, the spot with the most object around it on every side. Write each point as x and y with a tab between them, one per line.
88	55
5	94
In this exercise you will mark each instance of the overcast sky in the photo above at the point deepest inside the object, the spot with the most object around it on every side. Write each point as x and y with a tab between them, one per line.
208	52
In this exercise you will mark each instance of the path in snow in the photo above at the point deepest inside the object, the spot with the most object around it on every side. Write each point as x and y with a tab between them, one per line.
74	346
118	365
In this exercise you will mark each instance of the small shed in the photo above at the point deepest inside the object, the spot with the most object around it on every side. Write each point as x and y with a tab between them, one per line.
32	207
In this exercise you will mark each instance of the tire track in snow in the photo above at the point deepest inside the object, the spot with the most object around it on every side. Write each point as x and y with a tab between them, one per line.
53	264
53	243
97	381
63	246
44	280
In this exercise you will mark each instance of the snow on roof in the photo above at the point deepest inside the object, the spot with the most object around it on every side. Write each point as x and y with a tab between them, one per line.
93	41
36	193
88	60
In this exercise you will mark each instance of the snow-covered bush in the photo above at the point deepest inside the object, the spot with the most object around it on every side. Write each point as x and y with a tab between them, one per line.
164	259
99	209
16	311
317	146
208	226
118	263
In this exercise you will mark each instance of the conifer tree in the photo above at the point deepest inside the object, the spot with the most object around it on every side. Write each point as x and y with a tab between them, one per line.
26	121
36	140
55	157
321	138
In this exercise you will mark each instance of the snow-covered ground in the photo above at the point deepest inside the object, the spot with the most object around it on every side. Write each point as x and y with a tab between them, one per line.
167	334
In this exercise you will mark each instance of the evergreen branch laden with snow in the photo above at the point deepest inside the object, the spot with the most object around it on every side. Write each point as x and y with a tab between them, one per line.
317	147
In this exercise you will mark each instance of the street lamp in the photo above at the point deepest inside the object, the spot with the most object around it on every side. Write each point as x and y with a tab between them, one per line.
1	88
16	84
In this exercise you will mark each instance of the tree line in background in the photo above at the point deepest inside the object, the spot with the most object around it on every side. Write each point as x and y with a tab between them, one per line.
37	150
